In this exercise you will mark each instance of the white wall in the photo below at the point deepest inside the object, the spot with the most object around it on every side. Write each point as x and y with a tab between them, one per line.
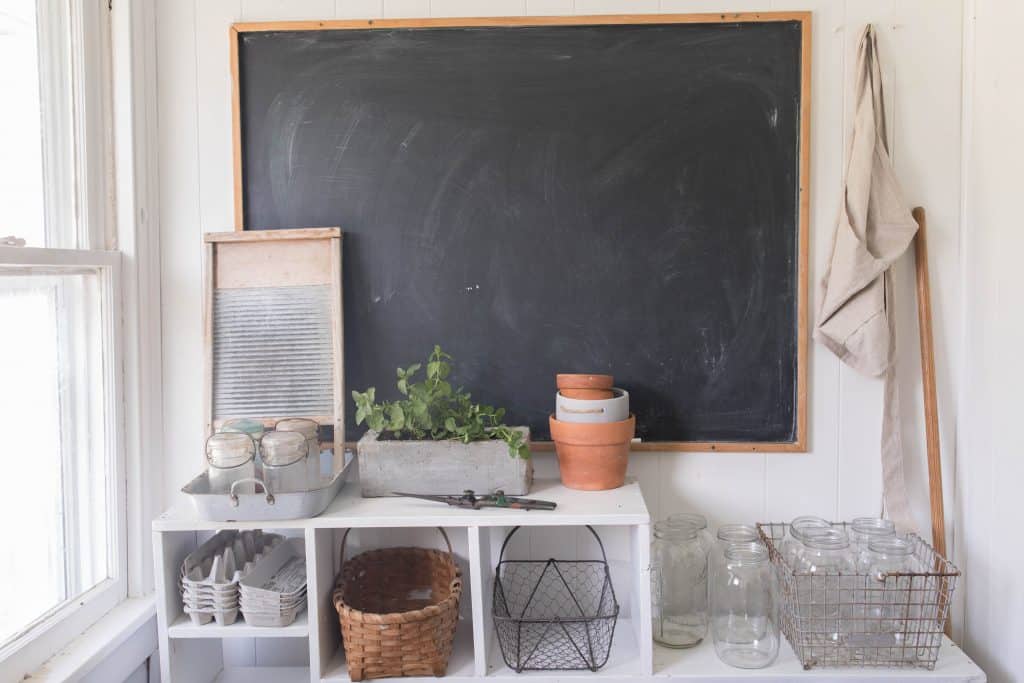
840	476
990	467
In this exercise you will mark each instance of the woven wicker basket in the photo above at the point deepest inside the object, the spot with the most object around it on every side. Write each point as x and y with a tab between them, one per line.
398	609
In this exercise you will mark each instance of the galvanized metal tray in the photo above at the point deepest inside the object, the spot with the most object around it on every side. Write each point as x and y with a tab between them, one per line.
265	505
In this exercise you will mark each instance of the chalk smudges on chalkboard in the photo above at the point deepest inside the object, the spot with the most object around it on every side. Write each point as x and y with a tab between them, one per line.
552	199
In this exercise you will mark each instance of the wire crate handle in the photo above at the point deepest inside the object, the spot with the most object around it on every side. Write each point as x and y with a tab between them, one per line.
501	555
344	539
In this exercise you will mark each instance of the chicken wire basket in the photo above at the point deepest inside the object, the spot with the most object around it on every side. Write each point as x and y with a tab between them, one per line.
554	615
893	620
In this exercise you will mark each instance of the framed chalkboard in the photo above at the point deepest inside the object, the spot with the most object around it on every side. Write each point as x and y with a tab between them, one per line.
621	194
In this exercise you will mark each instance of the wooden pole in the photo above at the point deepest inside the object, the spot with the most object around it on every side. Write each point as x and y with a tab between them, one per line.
931	403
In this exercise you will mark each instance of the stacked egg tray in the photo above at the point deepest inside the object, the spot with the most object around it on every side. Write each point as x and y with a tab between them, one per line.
210	575
274	592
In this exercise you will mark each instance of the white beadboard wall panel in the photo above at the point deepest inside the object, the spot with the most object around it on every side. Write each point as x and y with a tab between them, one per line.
475	8
405	8
615	6
549	7
287	10
358	9
180	242
841	472
990	467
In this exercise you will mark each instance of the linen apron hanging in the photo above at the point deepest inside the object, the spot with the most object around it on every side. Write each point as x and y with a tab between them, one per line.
856	319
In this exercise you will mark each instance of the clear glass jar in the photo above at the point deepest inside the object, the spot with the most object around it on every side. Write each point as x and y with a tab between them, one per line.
679	585
826	581
254	428
744	607
285	467
230	457
682	519
311	431
888	598
793	543
730	534
863	530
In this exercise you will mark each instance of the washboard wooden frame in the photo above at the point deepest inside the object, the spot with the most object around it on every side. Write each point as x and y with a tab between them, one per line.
275	258
800	444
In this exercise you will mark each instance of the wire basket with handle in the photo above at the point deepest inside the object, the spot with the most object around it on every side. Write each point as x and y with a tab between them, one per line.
895	619
553	614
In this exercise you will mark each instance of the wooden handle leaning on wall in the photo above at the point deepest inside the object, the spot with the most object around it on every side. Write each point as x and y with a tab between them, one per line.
931	404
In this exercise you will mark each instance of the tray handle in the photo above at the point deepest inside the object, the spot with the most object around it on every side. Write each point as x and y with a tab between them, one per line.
250	480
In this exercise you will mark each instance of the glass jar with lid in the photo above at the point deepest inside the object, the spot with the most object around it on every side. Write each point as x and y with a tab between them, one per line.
310	430
679	585
230	457
744	607
284	461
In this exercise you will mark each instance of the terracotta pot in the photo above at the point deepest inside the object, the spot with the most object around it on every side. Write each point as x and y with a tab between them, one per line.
592	457
588	394
569	381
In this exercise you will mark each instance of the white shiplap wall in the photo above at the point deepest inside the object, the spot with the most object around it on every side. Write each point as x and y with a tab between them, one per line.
840	476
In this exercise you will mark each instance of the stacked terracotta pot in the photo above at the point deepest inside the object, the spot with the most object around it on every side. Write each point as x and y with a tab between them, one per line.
592	429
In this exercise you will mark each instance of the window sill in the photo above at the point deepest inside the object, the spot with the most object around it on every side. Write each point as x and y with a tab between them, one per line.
128	621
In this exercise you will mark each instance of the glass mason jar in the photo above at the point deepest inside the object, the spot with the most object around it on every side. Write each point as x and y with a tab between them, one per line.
792	544
230	457
863	530
888	597
679	585
728	535
695	520
254	428
284	461
311	431
744	607
826	583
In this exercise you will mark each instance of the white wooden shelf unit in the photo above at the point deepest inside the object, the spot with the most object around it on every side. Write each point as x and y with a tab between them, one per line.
310	649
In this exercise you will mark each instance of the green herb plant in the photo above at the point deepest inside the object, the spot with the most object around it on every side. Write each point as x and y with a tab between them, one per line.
433	409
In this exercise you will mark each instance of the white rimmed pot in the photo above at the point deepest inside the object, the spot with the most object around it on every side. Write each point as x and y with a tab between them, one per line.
592	411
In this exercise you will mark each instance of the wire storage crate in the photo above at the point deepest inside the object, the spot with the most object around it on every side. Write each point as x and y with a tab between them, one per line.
553	615
891	620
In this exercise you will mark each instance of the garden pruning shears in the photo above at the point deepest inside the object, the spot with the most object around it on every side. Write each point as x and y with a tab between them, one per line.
498	499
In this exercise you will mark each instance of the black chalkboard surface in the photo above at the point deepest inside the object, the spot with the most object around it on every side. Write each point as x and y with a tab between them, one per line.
622	198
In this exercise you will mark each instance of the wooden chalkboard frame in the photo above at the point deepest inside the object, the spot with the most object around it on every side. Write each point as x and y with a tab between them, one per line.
803	18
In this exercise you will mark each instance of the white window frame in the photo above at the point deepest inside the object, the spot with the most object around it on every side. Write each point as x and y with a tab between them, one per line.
120	242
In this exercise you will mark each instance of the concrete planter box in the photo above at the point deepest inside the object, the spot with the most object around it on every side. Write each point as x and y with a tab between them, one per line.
387	465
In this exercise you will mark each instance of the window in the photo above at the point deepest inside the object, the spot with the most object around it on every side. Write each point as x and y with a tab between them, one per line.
60	368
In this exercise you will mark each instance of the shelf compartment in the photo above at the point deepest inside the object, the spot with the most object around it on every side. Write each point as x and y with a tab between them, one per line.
460	665
184	628
264	674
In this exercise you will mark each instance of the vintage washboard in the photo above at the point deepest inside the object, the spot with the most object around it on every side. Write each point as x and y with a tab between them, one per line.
273	329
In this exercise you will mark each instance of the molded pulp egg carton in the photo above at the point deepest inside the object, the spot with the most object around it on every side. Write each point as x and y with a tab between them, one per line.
274	592
210	574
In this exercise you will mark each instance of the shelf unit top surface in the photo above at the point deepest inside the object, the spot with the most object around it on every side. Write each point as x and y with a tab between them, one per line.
622	506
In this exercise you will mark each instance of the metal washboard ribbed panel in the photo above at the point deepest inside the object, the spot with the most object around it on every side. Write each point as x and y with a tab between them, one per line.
272	351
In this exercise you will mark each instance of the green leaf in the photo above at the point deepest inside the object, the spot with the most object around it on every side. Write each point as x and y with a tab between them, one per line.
396	418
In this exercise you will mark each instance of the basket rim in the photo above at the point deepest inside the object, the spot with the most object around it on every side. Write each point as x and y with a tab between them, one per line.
953	571
448	603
